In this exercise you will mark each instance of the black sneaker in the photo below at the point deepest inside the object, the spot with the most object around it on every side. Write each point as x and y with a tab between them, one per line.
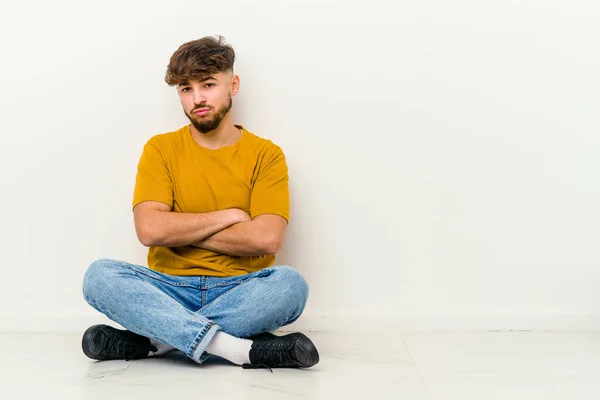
290	351
103	342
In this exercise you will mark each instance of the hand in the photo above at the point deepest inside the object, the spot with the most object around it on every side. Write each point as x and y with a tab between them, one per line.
239	215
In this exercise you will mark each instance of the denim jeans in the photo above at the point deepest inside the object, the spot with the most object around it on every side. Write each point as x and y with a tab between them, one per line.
186	311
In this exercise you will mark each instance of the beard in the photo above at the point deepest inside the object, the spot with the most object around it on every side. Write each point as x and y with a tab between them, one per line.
207	124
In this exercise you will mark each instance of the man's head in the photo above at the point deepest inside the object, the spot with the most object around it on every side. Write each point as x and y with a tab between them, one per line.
202	70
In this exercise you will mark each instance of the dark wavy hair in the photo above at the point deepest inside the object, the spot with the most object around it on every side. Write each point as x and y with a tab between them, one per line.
196	59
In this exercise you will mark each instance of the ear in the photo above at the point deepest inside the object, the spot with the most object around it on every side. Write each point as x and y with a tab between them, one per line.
235	84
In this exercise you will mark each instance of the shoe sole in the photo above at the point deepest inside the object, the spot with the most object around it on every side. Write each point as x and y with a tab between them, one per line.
306	352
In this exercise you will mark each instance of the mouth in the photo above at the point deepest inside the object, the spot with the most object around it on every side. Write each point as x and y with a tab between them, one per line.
201	111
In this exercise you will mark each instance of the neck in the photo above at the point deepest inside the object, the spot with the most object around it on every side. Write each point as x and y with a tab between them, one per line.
225	134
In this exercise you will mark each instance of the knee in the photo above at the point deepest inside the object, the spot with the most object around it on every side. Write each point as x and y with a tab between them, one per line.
97	278
292	287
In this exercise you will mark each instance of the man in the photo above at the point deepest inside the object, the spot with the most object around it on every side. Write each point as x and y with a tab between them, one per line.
211	202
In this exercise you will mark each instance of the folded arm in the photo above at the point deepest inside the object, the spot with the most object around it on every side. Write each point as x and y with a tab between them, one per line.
157	225
261	236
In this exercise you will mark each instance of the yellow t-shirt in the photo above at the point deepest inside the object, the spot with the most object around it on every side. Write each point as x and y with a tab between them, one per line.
251	175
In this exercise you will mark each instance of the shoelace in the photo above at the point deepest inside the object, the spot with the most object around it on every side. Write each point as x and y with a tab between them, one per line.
125	347
153	349
278	354
257	366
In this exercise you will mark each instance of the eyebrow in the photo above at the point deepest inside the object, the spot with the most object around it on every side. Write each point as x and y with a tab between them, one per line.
208	78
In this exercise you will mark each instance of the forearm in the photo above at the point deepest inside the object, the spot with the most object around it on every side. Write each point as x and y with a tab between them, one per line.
174	229
242	239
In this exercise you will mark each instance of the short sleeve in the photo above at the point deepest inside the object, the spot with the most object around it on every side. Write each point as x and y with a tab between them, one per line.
270	192
153	180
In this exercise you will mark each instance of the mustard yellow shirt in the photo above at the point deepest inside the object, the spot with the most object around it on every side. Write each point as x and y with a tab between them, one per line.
251	175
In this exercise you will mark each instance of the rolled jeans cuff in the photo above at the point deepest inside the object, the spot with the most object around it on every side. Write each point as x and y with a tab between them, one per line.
198	346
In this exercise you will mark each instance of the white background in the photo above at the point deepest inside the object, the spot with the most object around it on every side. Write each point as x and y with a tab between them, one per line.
443	154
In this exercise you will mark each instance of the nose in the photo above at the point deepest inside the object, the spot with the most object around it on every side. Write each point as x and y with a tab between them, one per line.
198	97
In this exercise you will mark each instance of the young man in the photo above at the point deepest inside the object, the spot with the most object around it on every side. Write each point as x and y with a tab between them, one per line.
211	202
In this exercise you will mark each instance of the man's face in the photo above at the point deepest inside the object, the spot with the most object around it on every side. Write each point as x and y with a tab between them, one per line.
208	100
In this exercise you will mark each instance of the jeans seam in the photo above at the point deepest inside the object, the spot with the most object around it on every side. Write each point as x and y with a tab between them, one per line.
237	286
193	314
260	274
151	276
203	292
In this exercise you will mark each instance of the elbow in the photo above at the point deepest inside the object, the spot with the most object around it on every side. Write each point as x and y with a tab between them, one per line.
272	245
147	242
147	221
146	237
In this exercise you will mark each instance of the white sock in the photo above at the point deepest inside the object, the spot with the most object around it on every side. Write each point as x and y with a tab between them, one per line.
162	348
230	348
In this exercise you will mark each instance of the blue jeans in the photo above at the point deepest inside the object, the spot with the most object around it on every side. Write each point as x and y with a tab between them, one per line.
186	311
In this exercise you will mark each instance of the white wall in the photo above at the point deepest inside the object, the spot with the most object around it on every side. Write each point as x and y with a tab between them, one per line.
443	155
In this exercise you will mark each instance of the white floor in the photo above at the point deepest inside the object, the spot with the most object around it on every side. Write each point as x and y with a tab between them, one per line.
437	366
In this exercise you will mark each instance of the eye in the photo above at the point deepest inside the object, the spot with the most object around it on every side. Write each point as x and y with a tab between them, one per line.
185	89
209	85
